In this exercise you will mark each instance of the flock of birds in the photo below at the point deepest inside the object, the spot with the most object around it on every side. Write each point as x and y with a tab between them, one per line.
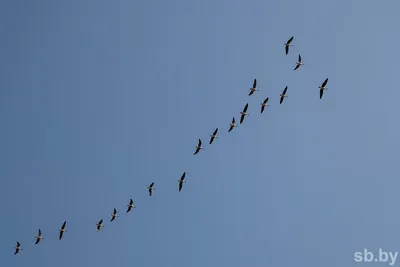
199	147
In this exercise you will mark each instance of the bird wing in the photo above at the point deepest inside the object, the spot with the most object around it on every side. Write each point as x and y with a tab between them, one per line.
241	119
325	82
211	140
321	92
251	92
129	209
255	83
183	176
37	241
287	49
151	185
262	109
200	142
101	221
63	225
266	100
284	90
115	211
197	151
280	102
150	192
130	201
61	235
230	128
180	186
233	120
215	132
40	233
245	108
290	40
299	58
297	66
18	244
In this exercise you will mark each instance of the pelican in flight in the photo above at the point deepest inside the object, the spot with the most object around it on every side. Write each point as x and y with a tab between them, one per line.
287	44
244	114
181	181
198	147
114	215
62	230
254	88
283	95
99	225
213	136
232	125
264	104
18	248
151	188
298	63
131	205
39	237
322	88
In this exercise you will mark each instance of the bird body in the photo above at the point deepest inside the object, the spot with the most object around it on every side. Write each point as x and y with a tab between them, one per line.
199	147
151	188
181	181
299	63
38	237
232	125
62	230
114	215
283	95
288	44
99	225
244	113
264	104
18	248
131	206
254	88
213	136
322	88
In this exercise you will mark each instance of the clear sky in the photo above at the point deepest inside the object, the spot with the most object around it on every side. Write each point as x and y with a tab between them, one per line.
100	98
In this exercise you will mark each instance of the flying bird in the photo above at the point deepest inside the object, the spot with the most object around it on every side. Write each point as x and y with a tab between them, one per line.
254	88
298	63
131	205
62	230
18	248
283	95
38	237
213	136
151	188
99	225
198	147
244	114
232	125
322	88
114	215
181	181
264	104
287	44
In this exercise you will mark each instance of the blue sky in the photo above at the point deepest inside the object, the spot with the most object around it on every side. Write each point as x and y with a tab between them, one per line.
100	98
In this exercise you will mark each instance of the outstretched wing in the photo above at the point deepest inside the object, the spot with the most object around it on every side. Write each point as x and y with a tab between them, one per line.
290	40
324	83
321	92
262	109
215	132
255	83
61	235
241	119
284	90
299	58
183	176
297	66
245	108
266	100
280	102
287	49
